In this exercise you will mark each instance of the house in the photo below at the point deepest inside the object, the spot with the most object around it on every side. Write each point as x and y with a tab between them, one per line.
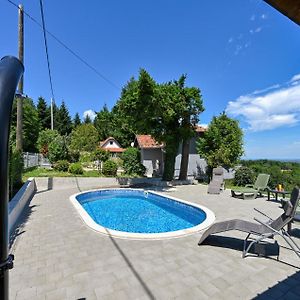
111	145
152	155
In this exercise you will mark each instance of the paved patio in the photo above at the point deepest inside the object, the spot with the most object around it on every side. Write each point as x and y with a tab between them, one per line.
58	257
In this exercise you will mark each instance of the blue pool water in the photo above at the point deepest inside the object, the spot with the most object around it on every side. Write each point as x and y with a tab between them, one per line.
138	211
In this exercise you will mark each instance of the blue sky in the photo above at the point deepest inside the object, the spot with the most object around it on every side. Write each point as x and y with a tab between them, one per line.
242	54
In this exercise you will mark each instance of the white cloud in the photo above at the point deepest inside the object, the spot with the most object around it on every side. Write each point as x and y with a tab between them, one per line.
276	108
263	16
90	113
295	78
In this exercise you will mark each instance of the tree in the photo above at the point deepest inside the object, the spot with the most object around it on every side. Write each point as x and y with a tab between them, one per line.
159	110
43	113
100	155
222	143
84	138
45	138
76	120
63	120
87	119
132	162
58	149
31	124
104	123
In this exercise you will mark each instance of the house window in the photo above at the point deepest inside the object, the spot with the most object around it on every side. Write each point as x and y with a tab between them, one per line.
111	142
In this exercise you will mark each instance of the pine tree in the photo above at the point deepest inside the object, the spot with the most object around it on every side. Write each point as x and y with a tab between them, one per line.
76	120
43	113
63	120
87	120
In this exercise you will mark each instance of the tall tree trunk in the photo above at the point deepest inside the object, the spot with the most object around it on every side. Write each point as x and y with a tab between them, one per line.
170	156
184	159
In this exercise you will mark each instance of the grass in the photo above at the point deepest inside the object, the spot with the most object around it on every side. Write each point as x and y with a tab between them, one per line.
42	172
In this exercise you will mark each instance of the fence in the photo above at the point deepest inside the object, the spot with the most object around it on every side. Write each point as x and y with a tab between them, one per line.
34	160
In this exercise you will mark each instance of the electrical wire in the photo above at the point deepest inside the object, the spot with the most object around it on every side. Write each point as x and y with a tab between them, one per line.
68	49
46	47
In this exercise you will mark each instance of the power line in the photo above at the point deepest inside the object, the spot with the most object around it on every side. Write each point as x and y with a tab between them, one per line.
46	47
69	49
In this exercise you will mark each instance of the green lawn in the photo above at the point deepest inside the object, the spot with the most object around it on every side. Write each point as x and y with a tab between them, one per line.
41	172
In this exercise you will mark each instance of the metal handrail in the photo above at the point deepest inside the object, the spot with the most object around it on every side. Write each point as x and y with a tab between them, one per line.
11	70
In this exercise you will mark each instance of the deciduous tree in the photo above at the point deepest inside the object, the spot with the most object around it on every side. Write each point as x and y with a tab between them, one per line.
222	143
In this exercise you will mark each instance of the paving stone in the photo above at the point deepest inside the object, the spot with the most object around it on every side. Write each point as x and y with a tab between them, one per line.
67	260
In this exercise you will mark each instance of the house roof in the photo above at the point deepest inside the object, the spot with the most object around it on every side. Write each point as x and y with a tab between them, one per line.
290	8
147	141
102	145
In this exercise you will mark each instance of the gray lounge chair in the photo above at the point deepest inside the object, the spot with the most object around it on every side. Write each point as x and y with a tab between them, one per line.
217	183
252	191
262	230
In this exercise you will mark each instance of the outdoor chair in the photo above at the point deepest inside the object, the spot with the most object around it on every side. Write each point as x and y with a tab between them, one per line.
217	183
262	230
252	191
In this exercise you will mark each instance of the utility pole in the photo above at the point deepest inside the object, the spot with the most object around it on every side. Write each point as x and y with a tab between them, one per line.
52	118
19	131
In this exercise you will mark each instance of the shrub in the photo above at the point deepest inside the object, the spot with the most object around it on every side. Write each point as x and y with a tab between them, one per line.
132	162
61	165
85	157
110	168
76	168
58	149
15	171
100	155
243	176
45	138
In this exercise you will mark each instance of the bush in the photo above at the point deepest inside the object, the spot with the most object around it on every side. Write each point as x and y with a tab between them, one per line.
110	168
61	165
132	162
76	168
45	138
100	155
15	171
243	176
58	149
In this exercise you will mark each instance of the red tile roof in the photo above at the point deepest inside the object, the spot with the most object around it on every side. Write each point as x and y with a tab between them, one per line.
147	141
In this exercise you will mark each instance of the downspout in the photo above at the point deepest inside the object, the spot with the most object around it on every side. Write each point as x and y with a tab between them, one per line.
11	70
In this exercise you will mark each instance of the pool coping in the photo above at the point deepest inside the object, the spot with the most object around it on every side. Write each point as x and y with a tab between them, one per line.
87	219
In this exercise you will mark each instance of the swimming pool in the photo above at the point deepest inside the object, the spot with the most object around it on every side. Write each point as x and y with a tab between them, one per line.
135	213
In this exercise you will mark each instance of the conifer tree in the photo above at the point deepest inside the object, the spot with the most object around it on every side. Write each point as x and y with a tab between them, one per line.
43	113
63	123
76	120
87	120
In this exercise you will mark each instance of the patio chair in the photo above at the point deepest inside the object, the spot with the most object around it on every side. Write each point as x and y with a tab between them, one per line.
262	230
252	191
217	183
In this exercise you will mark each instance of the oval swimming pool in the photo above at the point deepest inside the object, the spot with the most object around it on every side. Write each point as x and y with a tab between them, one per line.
135	213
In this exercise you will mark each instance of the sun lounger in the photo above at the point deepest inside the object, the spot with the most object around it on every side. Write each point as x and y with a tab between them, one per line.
217	183
252	191
262	230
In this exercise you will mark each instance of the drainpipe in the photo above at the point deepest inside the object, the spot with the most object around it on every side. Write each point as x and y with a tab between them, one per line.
11	69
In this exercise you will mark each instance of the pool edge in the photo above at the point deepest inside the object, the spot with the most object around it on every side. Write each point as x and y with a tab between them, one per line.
210	218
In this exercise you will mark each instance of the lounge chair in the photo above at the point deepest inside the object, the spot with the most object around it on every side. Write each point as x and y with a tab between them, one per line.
217	183
262	230
252	191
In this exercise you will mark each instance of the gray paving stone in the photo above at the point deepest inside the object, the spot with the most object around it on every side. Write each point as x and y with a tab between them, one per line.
67	260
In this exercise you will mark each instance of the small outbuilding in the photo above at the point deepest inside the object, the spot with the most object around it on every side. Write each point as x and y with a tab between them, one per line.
111	145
